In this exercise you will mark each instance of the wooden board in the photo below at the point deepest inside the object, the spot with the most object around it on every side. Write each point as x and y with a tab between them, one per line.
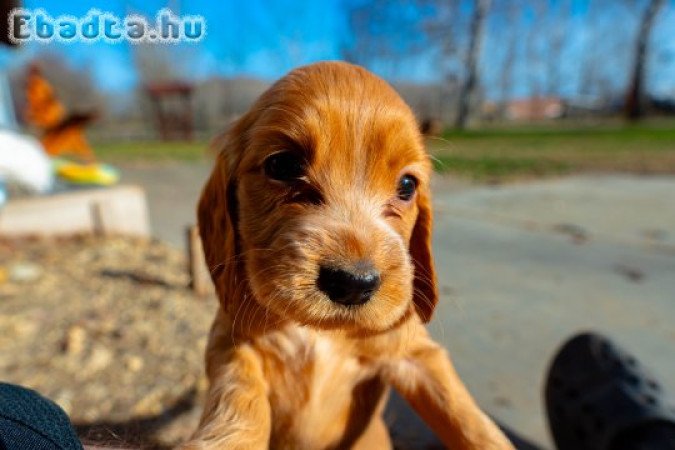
117	210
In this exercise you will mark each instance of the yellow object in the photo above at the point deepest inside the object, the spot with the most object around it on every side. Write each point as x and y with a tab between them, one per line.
99	174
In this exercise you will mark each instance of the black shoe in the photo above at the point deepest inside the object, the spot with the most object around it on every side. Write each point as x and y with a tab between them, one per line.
599	397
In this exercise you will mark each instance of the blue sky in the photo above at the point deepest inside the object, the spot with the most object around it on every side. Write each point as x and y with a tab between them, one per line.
244	38
265	39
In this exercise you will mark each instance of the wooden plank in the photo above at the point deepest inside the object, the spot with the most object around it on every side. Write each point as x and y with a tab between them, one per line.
118	210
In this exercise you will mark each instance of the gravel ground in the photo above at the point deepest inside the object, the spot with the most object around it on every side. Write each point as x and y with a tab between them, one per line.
108	329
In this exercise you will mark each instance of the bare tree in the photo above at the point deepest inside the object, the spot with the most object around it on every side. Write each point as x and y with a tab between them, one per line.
385	34
635	94
506	75
589	67
546	34
558	30
603	60
535	57
74	86
445	32
468	87
157	63
388	36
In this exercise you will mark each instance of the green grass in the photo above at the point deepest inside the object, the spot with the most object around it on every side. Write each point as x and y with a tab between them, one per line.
530	151
654	132
116	152
494	153
491	168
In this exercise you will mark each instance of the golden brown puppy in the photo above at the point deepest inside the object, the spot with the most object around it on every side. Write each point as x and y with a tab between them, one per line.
316	224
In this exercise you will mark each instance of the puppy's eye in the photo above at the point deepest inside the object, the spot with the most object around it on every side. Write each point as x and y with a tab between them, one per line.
406	187
284	166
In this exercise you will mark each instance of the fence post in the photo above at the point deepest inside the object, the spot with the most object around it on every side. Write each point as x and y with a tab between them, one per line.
200	277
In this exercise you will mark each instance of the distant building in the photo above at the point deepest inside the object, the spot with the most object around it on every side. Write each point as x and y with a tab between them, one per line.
525	109
535	108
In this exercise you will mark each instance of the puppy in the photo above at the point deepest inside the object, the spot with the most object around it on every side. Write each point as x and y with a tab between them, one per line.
316	226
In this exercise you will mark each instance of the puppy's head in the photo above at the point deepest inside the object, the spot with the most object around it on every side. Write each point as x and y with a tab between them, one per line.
318	208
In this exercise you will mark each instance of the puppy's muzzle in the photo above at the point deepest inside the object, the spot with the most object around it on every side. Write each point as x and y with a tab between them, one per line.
349	287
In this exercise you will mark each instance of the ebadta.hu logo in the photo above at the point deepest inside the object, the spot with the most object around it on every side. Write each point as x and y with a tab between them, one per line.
37	25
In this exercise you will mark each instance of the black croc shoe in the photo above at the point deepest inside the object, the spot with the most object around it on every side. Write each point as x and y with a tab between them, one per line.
599	397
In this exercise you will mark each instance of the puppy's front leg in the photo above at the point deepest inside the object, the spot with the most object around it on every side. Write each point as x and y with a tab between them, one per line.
426	378
237	410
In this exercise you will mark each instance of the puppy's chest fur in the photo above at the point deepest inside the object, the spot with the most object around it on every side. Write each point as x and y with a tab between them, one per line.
321	391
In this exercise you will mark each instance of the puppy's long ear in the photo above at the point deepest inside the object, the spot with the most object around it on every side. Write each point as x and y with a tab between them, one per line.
425	293
217	213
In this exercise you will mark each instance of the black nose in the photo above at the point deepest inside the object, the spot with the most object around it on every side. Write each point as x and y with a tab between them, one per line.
346	287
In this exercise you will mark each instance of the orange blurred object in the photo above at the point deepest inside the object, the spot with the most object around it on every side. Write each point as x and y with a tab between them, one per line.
62	133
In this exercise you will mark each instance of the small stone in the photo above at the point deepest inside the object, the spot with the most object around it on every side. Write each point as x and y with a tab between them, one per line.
24	272
134	363
24	327
99	359
76	337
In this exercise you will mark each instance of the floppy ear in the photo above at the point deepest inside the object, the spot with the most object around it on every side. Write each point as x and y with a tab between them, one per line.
217	217
425	293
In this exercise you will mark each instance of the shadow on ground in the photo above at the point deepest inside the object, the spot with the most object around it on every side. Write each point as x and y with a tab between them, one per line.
137	432
407	429
410	432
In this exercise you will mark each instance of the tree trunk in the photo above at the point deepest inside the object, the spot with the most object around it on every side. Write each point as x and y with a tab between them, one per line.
635	94
471	81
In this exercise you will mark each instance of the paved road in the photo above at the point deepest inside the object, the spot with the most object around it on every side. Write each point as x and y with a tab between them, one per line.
173	190
522	267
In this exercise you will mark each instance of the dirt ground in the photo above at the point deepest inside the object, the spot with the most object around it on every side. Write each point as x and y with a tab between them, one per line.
108	329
